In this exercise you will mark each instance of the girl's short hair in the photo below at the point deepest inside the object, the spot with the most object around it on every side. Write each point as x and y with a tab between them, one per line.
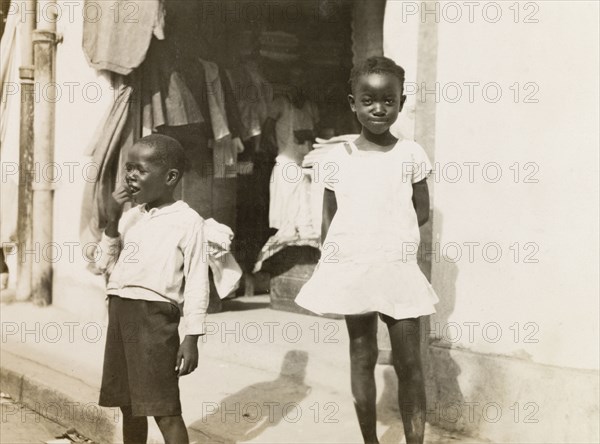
376	65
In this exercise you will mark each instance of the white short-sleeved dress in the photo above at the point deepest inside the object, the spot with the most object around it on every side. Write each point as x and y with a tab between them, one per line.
368	259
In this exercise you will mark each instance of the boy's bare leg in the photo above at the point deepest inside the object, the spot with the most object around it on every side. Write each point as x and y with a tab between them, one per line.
173	429
135	428
363	357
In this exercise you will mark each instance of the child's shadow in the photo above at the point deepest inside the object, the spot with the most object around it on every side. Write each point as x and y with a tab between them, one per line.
245	415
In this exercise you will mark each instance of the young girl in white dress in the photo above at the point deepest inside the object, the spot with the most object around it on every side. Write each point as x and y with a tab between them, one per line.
376	197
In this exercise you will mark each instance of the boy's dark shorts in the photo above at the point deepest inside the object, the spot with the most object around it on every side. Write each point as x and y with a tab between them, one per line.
140	357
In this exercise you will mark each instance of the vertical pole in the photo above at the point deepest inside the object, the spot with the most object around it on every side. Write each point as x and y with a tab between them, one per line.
25	200
44	44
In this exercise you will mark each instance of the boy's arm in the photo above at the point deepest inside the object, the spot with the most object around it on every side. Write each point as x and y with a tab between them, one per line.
420	201
195	299
110	245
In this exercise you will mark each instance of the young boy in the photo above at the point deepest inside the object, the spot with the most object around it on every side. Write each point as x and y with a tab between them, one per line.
154	259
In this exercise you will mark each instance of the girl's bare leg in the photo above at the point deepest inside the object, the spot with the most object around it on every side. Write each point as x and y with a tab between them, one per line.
363	357
173	429
406	352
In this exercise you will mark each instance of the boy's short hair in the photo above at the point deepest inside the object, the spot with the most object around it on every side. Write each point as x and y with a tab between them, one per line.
167	151
376	65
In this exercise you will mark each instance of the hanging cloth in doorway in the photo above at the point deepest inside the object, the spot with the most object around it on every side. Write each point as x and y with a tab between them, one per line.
117	34
192	73
223	113
166	99
106	147
215	99
249	93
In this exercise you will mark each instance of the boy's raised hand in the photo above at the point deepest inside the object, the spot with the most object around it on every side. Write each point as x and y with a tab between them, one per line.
114	206
187	356
114	209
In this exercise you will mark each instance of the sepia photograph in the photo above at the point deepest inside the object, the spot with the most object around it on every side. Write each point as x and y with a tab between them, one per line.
300	221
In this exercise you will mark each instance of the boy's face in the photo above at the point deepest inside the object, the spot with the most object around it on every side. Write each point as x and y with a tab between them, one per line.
377	100
148	180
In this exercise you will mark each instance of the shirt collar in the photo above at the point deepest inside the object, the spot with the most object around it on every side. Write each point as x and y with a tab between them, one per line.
165	209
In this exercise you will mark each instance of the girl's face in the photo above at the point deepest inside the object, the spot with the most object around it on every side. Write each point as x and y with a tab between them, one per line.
377	100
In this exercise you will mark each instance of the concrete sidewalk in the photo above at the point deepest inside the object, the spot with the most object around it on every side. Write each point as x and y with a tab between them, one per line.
264	376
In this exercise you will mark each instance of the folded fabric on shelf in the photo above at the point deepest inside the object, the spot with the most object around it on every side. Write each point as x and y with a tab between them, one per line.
279	46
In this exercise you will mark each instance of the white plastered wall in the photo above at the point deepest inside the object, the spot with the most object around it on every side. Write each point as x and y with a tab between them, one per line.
86	98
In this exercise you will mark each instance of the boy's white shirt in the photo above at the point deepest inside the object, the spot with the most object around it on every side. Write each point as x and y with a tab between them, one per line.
157	252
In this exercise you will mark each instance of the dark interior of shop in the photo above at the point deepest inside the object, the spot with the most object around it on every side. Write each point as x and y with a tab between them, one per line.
273	36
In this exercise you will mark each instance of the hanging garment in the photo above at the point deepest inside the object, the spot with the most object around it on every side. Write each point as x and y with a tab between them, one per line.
166	98
117	34
108	143
225	121
225	152
250	99
159	22
216	103
290	121
241	84
264	93
192	72
318	169
234	120
287	190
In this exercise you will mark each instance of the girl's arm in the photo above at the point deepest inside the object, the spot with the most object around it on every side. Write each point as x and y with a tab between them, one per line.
420	201
329	210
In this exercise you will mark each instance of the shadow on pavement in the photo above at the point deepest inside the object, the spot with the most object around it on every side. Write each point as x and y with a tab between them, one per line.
246	414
